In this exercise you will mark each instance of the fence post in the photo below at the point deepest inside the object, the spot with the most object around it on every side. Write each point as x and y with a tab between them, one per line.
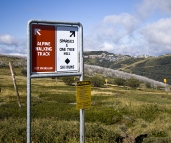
15	85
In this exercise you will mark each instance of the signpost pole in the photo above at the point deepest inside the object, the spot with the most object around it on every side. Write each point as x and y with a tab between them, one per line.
28	109
28	86
82	123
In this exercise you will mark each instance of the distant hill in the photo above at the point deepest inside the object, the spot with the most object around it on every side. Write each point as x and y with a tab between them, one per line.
156	68
87	53
107	72
17	61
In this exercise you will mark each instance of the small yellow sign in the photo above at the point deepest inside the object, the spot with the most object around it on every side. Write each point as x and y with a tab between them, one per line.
83	95
106	80
165	80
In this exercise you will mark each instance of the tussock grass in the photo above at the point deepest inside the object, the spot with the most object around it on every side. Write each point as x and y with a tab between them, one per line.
115	111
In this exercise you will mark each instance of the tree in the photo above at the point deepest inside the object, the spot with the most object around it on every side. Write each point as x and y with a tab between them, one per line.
97	81
120	81
148	85
132	82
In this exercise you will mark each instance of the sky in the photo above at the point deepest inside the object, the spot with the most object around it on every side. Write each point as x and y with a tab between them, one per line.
128	27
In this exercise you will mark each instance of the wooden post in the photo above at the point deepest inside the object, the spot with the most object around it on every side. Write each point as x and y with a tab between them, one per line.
15	85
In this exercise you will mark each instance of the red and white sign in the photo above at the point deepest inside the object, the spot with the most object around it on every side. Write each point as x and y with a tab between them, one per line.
54	48
43	48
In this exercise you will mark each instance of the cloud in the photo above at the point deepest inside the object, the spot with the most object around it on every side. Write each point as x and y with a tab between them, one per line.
123	33
149	7
112	34
147	31
158	32
107	47
12	45
8	40
127	21
157	36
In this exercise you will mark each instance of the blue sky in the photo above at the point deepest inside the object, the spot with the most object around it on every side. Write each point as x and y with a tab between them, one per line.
133	27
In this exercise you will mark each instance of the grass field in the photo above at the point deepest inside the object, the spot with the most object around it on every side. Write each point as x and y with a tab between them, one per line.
115	112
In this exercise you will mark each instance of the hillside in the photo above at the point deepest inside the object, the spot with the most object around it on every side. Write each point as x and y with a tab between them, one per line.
110	73
156	68
17	61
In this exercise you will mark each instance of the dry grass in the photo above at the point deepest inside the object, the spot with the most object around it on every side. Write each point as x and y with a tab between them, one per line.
135	106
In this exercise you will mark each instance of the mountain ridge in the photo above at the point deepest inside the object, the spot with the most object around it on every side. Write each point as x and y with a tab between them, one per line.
156	68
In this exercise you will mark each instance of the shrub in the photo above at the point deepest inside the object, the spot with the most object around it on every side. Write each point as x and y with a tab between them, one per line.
157	140
97	81
120	81
68	80
96	133
106	116
149	112
24	72
132	82
148	85
50	130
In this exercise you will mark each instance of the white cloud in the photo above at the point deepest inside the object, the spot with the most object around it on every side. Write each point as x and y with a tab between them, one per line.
112	34
12	45
107	47
157	36
121	34
149	7
145	32
158	32
8	40
127	21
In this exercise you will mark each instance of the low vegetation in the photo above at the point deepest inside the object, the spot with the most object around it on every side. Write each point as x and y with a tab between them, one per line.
117	112
122	110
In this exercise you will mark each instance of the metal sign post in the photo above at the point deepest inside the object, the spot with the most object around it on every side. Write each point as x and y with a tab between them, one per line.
52	51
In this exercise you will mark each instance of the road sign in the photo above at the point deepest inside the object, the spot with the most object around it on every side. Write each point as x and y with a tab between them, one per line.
67	48
83	97
43	48
165	80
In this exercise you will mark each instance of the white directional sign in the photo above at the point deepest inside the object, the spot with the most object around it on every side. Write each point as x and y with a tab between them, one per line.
67	48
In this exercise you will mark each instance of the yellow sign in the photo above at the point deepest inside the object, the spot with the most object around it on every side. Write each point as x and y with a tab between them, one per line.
165	80
83	96
105	80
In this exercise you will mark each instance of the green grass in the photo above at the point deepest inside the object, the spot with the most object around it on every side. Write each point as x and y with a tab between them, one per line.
113	112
